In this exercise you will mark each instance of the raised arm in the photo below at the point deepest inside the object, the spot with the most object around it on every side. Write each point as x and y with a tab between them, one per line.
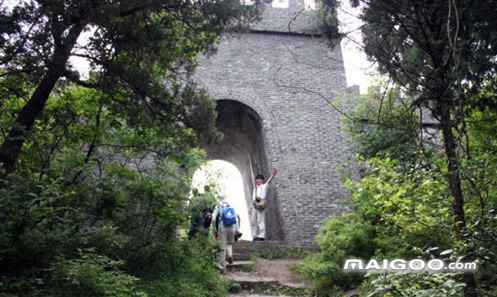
272	176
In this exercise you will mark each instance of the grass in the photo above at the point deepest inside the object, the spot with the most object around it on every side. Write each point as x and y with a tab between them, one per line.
232	286
276	253
248	268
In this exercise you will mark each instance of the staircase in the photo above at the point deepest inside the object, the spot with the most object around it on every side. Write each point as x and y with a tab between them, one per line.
243	248
257	279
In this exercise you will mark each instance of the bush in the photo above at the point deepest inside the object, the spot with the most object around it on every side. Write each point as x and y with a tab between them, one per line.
340	238
413	284
99	240
92	275
400	208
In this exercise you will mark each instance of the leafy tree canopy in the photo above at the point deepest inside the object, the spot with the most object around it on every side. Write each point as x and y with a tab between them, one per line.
442	54
141	54
432	47
97	168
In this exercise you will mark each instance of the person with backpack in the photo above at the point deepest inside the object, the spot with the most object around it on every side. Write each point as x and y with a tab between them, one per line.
225	227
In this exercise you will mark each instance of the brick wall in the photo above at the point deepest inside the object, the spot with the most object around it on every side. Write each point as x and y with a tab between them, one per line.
281	79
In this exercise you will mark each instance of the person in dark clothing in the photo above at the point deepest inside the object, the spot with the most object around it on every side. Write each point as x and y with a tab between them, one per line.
201	212
201	223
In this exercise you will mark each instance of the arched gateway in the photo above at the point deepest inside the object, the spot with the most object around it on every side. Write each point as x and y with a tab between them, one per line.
270	85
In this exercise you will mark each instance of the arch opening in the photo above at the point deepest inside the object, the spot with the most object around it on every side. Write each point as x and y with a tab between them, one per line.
229	180
244	146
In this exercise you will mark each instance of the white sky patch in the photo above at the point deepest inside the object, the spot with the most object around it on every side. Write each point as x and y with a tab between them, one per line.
229	179
9	4
280	3
309	4
358	69
80	64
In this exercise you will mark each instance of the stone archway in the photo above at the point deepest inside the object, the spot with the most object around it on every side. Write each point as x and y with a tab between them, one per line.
245	125
281	74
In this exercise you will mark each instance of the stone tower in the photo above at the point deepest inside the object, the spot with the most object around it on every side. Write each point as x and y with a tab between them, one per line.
272	85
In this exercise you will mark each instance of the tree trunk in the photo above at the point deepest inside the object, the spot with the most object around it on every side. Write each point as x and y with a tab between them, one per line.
455	187
11	148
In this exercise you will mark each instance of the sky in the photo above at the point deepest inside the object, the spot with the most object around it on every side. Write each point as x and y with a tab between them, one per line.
358	69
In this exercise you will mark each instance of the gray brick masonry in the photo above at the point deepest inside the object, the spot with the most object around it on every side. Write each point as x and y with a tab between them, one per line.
272	90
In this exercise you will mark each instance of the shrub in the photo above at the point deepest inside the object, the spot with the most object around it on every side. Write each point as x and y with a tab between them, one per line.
92	275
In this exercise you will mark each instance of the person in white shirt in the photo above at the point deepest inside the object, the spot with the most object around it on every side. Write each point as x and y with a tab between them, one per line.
257	210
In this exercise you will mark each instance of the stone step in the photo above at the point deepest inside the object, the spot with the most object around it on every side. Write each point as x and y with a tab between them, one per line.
241	252
261	245
270	277
239	265
246	280
241	257
243	248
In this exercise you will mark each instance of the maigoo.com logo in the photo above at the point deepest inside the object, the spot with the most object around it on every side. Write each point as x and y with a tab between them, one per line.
401	265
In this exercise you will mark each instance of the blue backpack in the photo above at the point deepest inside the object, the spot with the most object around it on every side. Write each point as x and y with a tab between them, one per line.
229	216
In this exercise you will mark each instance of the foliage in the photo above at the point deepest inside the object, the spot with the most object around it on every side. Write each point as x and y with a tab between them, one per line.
92	275
248	268
128	220
95	166
396	214
276	253
185	271
339	239
382	123
327	21
141	56
96	204
401	208
429	45
234	287
422	285
442	56
409	41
